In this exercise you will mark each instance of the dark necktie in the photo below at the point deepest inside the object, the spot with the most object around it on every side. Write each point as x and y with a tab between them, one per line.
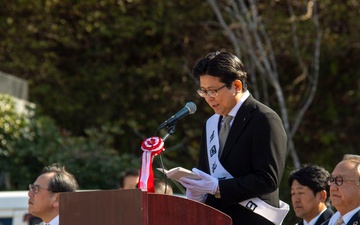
224	131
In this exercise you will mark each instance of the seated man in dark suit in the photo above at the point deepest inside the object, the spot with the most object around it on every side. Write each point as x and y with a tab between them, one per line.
309	194
345	191
44	193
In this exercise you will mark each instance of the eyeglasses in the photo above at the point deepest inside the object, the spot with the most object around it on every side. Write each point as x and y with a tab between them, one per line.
36	188
339	180
211	93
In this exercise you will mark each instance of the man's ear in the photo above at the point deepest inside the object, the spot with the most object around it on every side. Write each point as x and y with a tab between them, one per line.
56	200
322	195
238	85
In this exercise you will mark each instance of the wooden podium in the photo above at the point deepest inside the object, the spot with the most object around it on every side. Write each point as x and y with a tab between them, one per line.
135	207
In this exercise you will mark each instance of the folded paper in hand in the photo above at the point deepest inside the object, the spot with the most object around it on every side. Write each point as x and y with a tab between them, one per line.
178	172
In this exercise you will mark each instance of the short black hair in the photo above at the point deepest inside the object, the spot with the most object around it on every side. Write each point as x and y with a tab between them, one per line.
312	176
228	67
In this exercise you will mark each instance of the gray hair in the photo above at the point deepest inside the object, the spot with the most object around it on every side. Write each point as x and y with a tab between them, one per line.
353	158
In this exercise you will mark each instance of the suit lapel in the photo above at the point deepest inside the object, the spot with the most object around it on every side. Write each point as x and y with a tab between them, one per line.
355	219
243	117
326	215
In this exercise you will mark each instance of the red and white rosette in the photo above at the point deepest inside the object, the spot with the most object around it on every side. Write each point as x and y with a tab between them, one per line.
151	146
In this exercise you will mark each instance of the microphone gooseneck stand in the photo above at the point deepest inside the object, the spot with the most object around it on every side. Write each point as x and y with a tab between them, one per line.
170	131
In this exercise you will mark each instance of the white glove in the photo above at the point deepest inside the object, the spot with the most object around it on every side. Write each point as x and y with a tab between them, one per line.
196	195
207	184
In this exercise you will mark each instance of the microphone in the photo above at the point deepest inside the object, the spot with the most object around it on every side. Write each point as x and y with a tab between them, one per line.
189	108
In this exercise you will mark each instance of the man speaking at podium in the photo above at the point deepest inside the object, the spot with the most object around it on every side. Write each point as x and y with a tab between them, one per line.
243	147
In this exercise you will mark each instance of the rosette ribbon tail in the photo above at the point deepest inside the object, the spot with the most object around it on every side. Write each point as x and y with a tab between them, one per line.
151	147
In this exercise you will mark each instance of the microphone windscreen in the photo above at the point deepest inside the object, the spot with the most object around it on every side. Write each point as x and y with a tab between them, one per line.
191	106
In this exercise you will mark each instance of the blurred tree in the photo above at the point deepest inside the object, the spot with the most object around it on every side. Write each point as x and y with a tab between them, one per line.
92	63
246	25
109	72
28	142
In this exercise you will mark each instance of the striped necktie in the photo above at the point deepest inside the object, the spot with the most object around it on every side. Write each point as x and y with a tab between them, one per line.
339	221
224	131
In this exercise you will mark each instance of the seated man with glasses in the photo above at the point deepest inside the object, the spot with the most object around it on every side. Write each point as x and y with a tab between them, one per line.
345	191
44	193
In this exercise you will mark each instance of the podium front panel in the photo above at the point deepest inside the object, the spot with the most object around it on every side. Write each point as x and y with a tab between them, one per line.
174	210
110	207
135	207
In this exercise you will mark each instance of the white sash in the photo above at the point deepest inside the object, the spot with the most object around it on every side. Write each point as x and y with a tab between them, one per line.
212	138
258	206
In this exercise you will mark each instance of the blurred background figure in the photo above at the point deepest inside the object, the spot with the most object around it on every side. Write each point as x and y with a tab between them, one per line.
309	194
31	220
129	179
161	187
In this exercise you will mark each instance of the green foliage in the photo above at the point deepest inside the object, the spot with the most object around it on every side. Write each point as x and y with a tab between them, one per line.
20	142
94	164
107	73
110	64
30	141
12	126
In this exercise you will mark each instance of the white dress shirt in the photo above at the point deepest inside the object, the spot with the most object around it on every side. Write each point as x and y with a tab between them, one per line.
345	217
54	221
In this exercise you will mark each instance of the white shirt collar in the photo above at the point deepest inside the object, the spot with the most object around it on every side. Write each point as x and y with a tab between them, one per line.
238	105
54	221
346	217
350	214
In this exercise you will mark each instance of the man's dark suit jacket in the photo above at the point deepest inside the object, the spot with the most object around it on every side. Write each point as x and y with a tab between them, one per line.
254	154
355	219
326	215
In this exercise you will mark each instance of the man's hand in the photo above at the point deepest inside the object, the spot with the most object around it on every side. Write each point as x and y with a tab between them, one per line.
207	184
196	195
